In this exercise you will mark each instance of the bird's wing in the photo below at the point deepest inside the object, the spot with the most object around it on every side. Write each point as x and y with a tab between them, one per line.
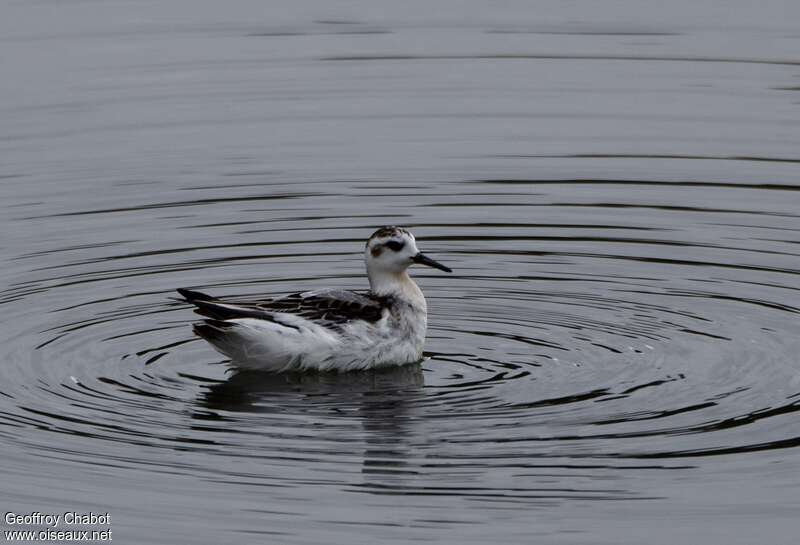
331	308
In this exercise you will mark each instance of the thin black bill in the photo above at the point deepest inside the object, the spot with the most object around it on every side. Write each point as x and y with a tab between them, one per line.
422	259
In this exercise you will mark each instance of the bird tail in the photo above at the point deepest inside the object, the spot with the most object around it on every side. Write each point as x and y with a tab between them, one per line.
254	338
191	296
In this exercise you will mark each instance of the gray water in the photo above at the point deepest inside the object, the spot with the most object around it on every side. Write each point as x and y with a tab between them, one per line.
614	360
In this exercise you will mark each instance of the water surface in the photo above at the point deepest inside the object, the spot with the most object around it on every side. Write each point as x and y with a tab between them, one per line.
614	359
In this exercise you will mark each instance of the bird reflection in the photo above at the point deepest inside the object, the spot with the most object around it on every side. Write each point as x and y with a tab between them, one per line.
254	391
383	401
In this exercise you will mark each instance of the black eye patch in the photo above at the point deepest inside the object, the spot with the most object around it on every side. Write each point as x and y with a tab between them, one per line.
395	245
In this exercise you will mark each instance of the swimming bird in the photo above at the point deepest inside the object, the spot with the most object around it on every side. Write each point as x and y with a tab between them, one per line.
332	329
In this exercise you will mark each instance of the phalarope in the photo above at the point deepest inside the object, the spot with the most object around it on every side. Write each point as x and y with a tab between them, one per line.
331	329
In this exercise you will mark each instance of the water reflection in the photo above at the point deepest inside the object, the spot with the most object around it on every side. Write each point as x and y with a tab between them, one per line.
616	185
381	401
364	391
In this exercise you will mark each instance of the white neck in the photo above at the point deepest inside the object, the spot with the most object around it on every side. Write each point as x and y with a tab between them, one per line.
396	284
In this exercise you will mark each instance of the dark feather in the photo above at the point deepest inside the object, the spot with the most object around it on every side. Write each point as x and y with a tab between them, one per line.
330	308
334	306
211	330
192	296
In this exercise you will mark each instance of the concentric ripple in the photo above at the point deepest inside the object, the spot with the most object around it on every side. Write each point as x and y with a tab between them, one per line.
618	341
567	352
